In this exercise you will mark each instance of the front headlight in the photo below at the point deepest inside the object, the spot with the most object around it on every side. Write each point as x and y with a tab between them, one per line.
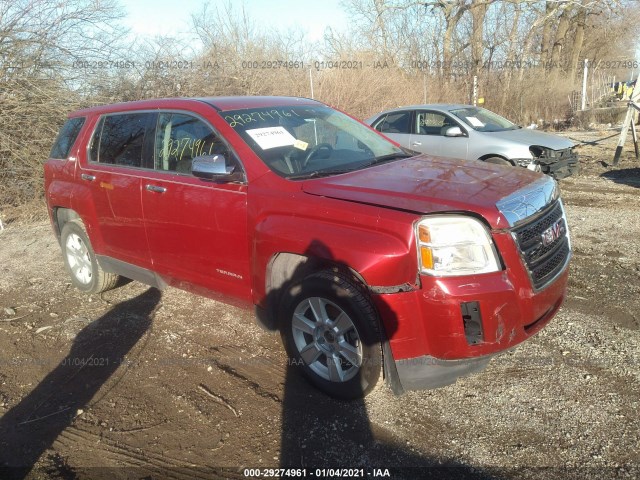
544	152
523	162
450	245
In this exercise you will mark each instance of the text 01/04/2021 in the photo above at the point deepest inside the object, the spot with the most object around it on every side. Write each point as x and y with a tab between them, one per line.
316	472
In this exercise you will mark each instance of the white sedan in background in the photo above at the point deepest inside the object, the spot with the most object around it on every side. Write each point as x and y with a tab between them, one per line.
474	133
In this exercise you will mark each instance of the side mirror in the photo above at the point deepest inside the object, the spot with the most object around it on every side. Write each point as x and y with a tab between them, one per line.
211	167
453	132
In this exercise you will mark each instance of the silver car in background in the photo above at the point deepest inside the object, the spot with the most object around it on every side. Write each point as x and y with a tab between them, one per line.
474	133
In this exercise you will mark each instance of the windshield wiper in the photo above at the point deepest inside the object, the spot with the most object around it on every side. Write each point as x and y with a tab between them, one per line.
337	171
320	173
385	158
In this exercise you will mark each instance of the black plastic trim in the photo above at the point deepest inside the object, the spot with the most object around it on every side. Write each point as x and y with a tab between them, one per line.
472	322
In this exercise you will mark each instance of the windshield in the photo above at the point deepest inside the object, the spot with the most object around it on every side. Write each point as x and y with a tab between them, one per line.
483	120
304	141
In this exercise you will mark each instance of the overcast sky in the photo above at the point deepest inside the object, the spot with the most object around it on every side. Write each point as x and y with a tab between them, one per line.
168	17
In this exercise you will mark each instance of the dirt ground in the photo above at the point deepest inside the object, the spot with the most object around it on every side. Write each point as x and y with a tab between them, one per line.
141	384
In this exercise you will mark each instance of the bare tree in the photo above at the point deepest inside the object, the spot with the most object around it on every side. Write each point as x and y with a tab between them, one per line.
404	52
45	46
478	14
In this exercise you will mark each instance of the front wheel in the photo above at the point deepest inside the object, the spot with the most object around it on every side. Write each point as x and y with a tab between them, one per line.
330	329
80	260
499	161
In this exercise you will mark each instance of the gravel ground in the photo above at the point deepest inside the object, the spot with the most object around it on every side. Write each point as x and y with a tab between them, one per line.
193	383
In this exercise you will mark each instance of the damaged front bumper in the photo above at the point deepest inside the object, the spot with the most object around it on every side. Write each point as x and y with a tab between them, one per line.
433	340
448	327
564	165
428	372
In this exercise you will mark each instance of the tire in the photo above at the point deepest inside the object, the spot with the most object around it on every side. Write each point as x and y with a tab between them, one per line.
498	161
80	260
330	329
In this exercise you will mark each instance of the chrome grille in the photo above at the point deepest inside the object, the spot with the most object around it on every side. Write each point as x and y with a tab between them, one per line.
529	201
544	262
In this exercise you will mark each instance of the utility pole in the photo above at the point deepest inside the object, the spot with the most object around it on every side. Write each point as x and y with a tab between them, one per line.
425	87
584	84
629	122
475	90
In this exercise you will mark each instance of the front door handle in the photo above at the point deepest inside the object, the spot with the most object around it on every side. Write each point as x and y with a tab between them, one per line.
156	188
416	144
87	177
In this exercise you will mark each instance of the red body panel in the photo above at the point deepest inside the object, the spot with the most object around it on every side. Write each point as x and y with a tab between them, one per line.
218	239
426	184
189	241
427	321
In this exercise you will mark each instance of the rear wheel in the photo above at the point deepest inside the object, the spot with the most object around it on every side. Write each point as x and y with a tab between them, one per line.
80	260
330	329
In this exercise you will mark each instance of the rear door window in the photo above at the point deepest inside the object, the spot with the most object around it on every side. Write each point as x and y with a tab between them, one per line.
120	139
395	122
66	138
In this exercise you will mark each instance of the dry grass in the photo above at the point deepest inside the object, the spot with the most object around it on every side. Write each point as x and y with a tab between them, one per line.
31	211
36	100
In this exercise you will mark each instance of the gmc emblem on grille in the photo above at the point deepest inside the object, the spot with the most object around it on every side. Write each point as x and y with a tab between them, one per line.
553	233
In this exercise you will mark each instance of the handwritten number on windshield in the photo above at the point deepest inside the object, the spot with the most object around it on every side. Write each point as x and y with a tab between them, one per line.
249	117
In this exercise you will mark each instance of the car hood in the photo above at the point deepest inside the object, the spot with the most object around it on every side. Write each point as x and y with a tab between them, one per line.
532	137
426	184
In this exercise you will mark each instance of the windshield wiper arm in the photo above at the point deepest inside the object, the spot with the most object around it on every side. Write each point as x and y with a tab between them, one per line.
337	171
385	158
320	173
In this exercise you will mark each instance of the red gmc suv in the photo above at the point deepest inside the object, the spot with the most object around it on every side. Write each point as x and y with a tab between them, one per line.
368	260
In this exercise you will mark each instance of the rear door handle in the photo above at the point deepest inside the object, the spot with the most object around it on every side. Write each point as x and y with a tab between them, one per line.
156	188
87	177
416	144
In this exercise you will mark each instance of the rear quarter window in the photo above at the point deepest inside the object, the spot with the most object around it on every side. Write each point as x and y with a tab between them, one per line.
66	138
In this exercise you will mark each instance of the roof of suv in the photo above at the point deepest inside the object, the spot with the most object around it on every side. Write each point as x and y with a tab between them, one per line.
435	106
219	103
